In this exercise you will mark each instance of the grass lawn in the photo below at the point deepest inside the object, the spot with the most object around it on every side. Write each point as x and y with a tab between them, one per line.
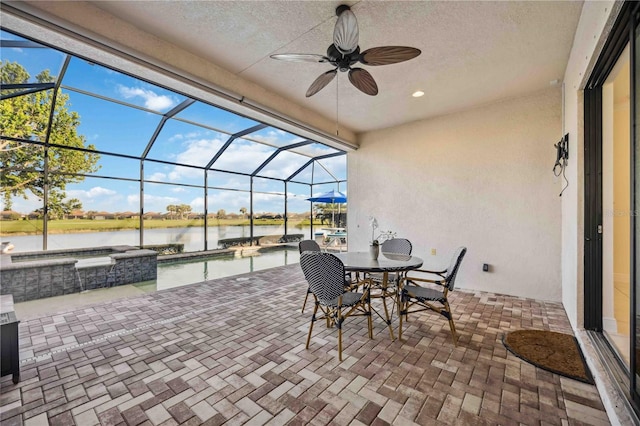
25	227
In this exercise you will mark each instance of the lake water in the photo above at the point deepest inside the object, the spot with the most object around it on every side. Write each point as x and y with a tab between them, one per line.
192	238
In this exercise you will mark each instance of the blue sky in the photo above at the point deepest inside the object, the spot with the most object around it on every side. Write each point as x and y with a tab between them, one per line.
112	127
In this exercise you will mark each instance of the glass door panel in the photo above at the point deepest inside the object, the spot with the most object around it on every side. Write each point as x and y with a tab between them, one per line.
616	206
635	203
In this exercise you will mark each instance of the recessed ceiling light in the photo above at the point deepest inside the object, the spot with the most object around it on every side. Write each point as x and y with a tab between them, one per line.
417	94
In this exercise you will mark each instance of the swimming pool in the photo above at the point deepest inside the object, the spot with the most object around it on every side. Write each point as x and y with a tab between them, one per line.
183	272
170	274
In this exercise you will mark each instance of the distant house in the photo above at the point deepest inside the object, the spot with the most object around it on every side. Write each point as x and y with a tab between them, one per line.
128	215
153	215
101	215
10	215
77	214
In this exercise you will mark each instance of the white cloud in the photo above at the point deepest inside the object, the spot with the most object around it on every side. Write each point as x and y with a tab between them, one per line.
152	203
243	157
95	192
133	199
198	152
231	201
151	99
23	205
197	204
181	136
97	198
159	176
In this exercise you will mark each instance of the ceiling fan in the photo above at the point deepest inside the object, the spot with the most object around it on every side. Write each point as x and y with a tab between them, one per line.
344	52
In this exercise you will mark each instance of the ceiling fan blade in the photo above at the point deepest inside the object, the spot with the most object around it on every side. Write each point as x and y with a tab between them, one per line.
387	55
299	57
363	81
345	33
320	82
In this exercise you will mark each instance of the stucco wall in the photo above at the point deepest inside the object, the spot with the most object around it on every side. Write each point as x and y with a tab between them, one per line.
480	178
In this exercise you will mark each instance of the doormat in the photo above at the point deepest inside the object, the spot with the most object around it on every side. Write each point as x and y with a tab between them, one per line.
555	352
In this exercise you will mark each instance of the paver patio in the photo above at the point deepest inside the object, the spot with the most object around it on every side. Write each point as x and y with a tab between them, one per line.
232	351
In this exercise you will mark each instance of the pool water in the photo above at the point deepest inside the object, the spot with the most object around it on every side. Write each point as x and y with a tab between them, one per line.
183	272
174	274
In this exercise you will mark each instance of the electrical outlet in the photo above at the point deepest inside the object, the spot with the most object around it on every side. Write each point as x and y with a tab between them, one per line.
485	267
433	252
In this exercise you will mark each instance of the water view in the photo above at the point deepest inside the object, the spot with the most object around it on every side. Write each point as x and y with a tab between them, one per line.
191	237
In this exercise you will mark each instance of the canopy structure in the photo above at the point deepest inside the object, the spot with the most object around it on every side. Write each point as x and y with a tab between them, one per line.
329	197
143	149
332	197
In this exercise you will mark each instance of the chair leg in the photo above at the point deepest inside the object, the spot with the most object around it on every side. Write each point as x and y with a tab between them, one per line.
313	319
453	332
305	300
339	324
386	313
452	326
400	308
369	314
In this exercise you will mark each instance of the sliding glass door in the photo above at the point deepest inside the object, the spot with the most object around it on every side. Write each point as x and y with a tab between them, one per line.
635	203
612	203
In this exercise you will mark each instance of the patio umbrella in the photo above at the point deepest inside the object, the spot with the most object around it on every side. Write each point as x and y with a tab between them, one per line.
330	197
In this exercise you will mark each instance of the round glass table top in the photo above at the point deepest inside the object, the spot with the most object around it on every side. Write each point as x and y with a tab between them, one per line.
386	262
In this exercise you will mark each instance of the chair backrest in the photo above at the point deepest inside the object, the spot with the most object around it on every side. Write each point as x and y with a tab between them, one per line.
452	270
397	246
325	274
308	245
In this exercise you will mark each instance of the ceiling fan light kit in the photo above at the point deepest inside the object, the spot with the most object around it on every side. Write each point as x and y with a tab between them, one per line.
344	52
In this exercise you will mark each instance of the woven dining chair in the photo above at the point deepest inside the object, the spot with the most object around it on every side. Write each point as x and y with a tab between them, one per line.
325	274
383	290
307	245
433	296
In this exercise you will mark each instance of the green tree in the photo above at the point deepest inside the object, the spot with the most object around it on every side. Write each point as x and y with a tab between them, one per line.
172	209
27	117
60	208
243	210
183	210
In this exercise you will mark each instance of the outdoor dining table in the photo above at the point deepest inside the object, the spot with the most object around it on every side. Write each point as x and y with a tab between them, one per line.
385	263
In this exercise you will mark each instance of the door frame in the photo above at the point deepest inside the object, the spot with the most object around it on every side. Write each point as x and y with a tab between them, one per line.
622	33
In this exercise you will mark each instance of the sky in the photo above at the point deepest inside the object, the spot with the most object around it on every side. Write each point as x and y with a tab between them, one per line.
116	128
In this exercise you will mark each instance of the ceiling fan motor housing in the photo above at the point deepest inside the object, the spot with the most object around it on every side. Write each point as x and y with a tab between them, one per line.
343	62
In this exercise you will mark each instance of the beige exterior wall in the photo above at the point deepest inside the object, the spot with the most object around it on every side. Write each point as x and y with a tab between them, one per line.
480	178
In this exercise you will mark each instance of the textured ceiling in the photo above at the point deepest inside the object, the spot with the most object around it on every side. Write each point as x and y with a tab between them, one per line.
473	53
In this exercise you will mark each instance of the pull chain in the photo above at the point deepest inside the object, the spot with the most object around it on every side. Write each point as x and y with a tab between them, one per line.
337	106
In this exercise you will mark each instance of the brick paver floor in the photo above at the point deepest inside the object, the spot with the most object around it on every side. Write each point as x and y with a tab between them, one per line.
232	351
